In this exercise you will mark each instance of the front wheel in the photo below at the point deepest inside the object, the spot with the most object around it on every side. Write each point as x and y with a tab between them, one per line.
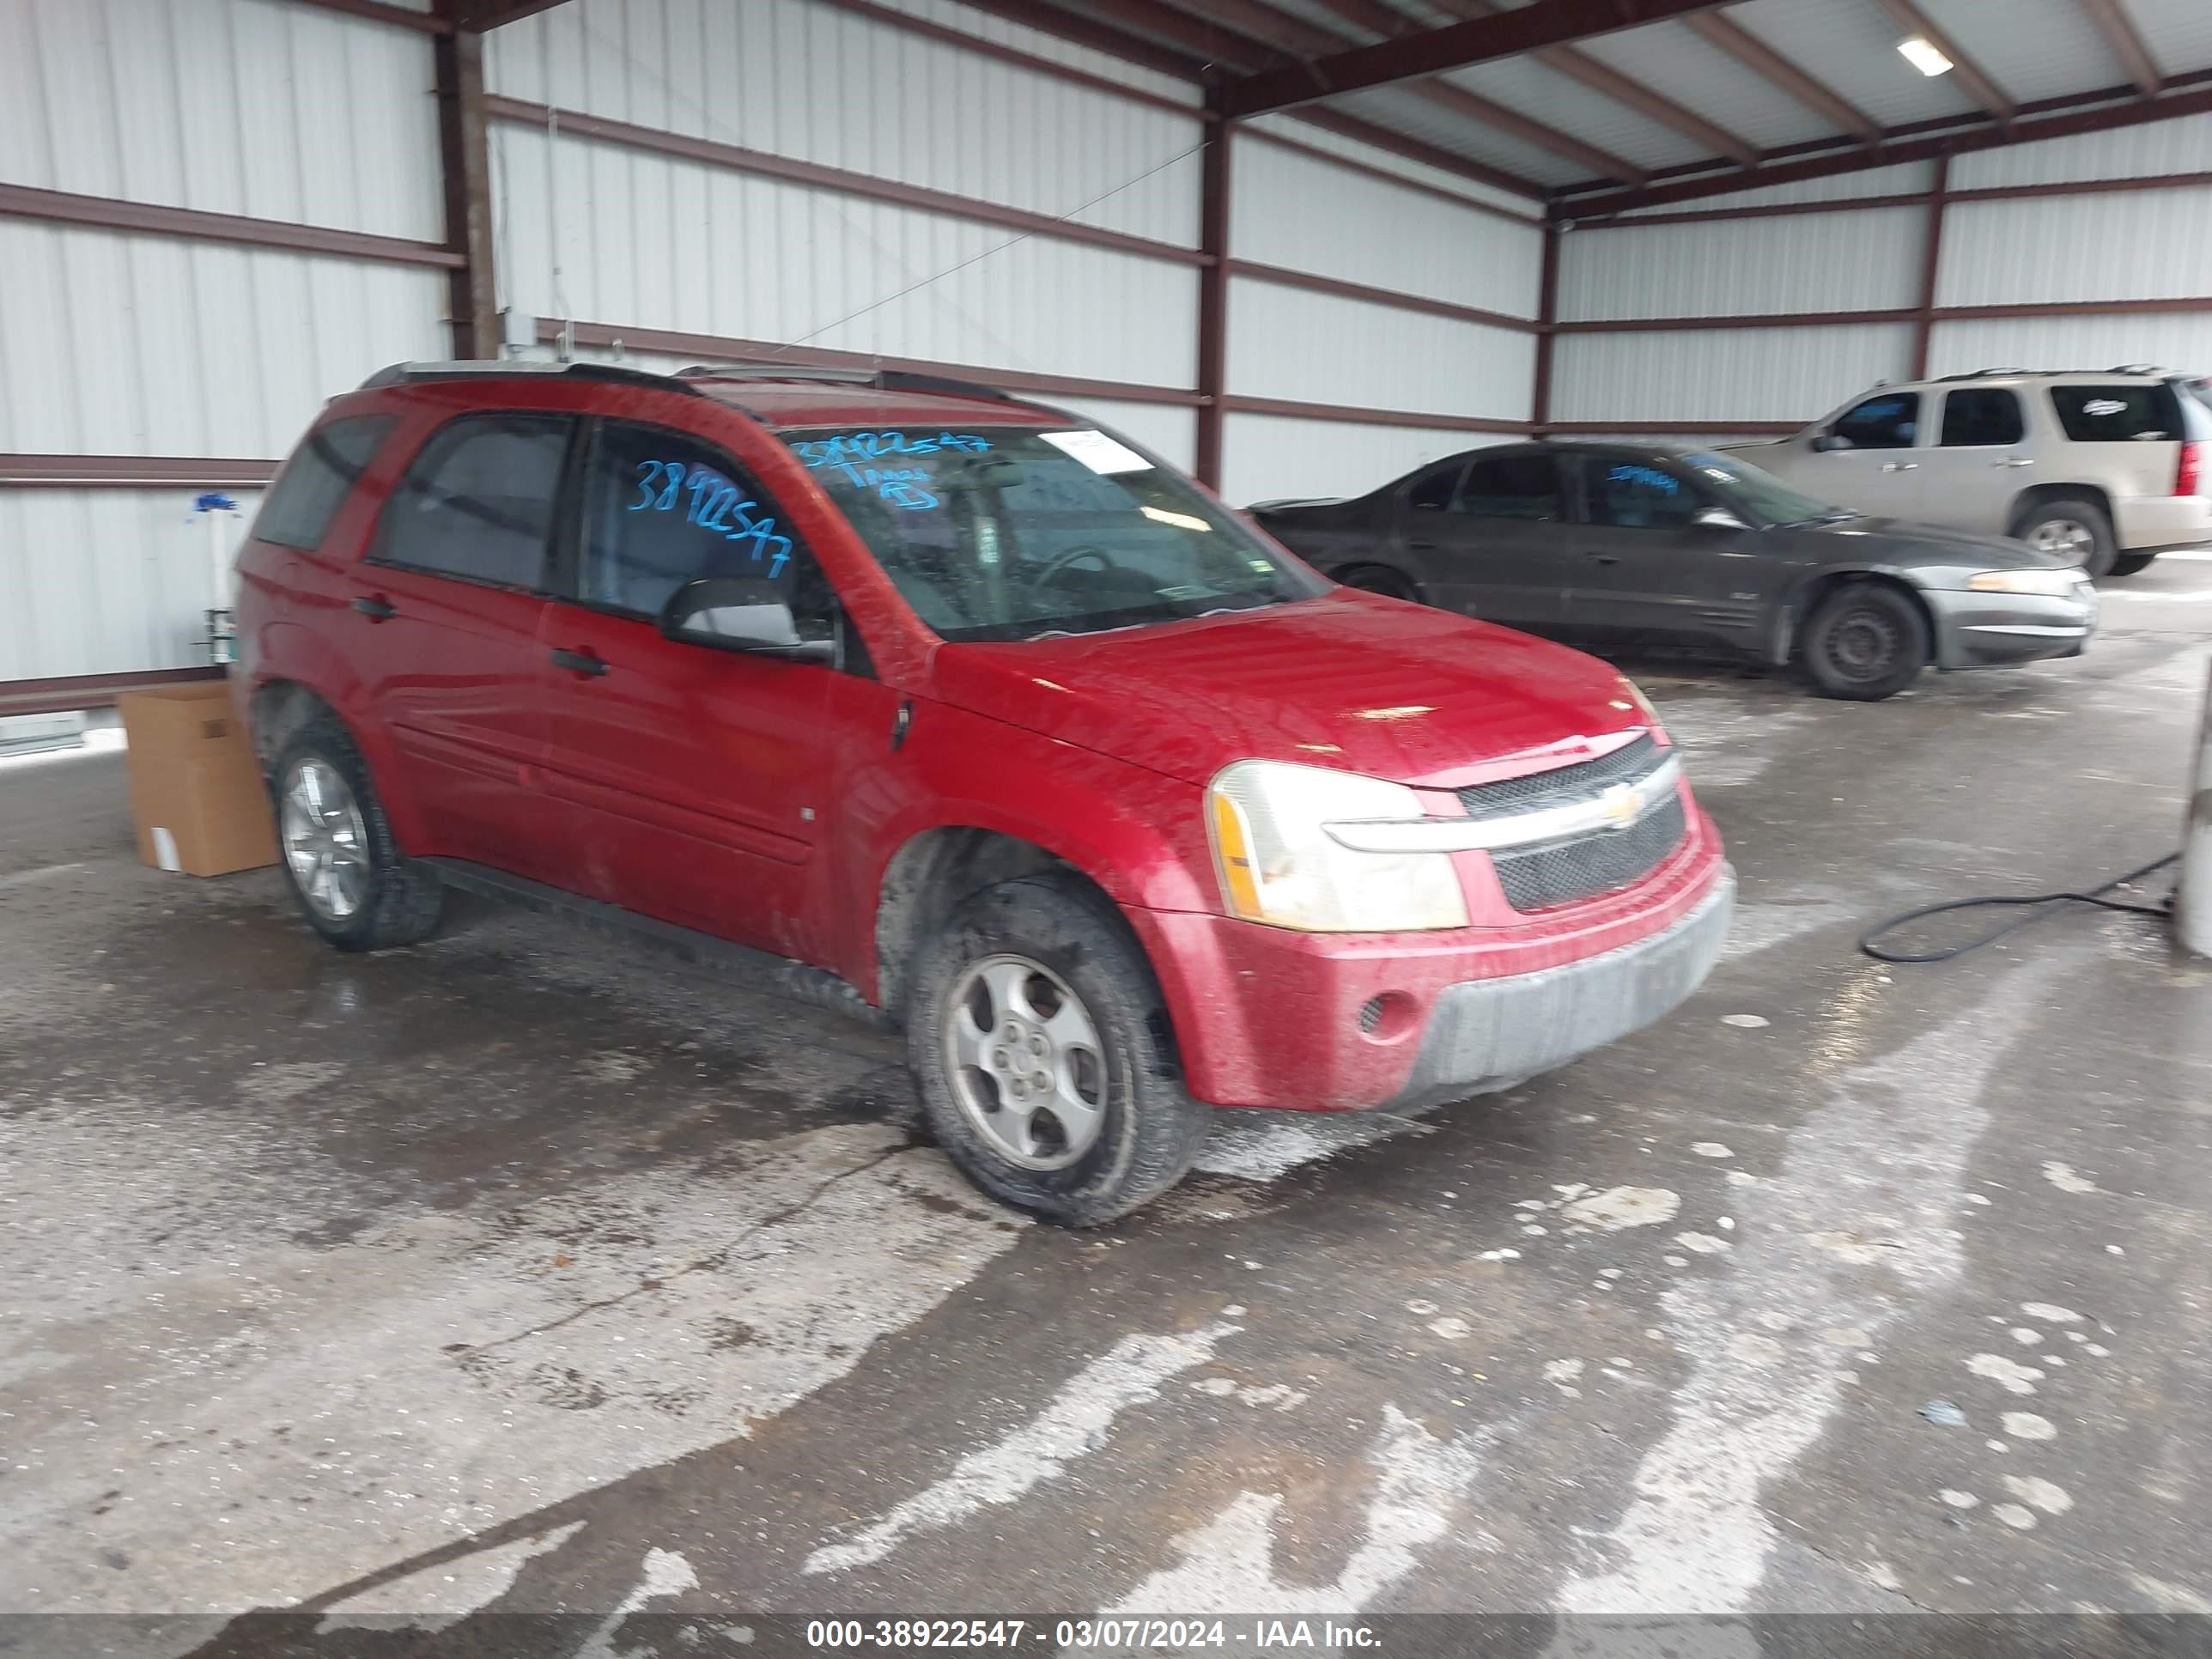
1041	1048
2076	530
1865	643
1379	579
2130	564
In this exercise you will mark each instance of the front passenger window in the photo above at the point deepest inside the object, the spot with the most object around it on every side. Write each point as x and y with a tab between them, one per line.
662	508
1637	495
1891	421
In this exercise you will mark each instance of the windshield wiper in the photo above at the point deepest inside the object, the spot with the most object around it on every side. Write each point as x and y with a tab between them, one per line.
1837	515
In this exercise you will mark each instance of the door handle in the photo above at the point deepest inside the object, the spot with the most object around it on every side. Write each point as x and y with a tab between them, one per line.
1901	466
580	662
1422	547
376	607
2027	462
1605	558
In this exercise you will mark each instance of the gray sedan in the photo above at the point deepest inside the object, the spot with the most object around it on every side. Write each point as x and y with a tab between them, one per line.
1649	543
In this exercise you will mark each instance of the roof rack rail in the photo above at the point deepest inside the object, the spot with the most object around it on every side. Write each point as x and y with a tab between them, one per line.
2138	368
882	380
522	368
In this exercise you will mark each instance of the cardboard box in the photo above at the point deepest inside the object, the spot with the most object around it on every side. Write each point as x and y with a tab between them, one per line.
195	788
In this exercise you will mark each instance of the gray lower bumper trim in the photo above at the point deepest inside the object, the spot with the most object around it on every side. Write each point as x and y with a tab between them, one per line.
1490	1034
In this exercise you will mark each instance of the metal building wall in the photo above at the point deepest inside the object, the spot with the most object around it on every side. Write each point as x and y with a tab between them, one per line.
119	343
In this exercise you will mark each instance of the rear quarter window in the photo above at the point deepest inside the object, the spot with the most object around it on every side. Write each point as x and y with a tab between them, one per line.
329	462
2118	414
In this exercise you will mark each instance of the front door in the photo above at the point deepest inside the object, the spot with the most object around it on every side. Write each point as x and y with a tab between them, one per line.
445	610
1980	461
701	778
1881	469
1499	546
1650	571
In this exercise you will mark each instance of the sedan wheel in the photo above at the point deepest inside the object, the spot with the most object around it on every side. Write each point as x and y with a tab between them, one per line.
325	841
1867	641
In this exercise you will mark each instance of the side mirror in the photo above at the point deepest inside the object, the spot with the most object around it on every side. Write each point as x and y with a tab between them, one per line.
740	613
1718	518
1828	441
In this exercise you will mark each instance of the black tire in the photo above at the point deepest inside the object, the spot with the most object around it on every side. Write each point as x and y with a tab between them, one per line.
1865	641
400	900
2045	518
1148	1128
2132	564
1379	579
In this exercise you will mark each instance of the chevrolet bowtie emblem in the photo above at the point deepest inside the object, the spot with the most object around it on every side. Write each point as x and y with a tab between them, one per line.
1618	803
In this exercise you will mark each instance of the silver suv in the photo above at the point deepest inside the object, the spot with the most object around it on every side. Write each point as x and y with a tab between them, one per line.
2106	468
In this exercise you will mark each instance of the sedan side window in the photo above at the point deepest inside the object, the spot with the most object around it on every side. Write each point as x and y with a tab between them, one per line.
1524	486
662	508
1638	496
1891	421
1438	491
1981	417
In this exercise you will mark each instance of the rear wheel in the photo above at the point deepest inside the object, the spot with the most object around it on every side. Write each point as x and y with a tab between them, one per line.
1379	579
2130	564
353	885
1865	643
1040	1045
2077	531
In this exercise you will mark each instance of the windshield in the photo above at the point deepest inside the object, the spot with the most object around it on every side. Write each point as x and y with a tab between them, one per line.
1762	495
1012	532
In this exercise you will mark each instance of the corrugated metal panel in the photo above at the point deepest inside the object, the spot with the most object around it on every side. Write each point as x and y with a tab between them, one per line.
1292	343
1039	44
2031	48
811	81
2181	146
104	581
2183	342
1313	137
2144	246
2179	32
1270	457
1529	87
1674	61
1724	374
1291	209
1904	179
1858	261
147	345
1410	114
273	110
1852	47
657	242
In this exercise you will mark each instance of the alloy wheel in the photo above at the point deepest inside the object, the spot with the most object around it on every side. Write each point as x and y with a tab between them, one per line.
325	842
1025	1061
2068	537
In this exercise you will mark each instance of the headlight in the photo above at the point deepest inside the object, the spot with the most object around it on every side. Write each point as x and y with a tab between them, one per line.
1635	695
2051	584
1279	865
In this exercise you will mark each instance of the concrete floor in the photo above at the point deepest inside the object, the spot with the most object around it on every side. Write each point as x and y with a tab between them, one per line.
519	1271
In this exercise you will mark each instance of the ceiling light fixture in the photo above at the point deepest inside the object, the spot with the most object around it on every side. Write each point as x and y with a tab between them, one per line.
1924	55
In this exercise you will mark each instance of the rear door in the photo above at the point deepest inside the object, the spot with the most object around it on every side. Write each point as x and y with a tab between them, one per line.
1650	570
1981	460
1881	469
1498	547
443	625
702	780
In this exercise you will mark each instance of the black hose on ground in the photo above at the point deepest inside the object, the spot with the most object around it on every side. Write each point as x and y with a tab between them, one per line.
2038	905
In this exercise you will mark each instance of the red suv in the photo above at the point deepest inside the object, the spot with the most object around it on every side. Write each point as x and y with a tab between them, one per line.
973	717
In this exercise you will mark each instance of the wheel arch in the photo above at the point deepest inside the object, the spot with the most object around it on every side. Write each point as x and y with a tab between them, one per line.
2036	495
1810	594
1340	573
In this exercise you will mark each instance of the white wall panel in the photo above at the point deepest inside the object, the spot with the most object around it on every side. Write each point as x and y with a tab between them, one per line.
2087	342
1271	456
1038	43
1296	210
112	343
2032	48
1297	131
262	107
2144	245
2181	146
104	581
1675	62
1292	343
801	79
653	241
1901	179
1868	260
2179	32
1722	374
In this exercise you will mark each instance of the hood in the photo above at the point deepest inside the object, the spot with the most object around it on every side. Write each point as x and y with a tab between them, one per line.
1294	503
1346	680
1902	542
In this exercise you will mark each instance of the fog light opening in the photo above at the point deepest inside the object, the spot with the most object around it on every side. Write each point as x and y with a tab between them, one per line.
1386	1018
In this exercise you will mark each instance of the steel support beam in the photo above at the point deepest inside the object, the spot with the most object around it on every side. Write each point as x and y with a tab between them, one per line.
1722	33
2125	42
465	168
1213	379
1931	267
1548	322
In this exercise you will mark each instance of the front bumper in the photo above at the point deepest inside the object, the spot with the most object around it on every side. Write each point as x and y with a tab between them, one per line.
1987	630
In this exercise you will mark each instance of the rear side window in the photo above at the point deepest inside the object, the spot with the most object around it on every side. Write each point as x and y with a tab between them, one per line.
1434	492
2118	414
1891	421
299	511
477	502
1524	486
1981	417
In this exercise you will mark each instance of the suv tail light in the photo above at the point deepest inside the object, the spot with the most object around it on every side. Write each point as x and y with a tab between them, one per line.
2189	471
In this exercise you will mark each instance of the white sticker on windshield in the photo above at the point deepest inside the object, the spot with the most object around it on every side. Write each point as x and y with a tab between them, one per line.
1098	452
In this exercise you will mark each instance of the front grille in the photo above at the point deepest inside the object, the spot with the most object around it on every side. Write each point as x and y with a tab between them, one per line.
1537	878
1564	785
